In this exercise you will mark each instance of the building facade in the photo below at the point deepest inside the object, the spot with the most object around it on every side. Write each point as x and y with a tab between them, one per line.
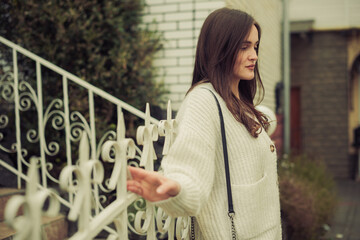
325	50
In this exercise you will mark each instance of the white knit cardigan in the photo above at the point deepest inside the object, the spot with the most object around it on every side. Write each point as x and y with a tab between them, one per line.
196	161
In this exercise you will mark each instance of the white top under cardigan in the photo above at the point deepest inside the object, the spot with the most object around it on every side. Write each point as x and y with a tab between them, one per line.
196	161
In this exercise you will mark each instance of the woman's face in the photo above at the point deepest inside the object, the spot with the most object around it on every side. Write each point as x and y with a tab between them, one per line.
247	56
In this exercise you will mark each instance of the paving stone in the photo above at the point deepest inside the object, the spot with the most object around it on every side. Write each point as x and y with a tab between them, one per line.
346	223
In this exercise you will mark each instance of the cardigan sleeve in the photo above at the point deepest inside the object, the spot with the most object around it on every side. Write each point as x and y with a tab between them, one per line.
190	161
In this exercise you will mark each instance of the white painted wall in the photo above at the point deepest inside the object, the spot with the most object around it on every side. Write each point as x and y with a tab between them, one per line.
268	13
327	14
181	20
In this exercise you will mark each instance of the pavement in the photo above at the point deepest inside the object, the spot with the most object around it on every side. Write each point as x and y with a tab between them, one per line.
346	223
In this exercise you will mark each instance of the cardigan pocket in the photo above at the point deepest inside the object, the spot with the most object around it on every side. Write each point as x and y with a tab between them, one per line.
257	207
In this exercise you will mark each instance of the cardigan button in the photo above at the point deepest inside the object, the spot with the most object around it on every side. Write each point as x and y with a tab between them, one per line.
272	148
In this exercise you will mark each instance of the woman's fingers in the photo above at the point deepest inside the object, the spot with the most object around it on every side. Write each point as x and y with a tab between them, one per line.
151	185
137	173
134	187
143	175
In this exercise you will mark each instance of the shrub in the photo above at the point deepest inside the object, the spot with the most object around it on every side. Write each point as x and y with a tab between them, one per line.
102	42
308	196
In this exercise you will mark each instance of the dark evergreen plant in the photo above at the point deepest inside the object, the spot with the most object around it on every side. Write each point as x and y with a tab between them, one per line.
103	42
99	41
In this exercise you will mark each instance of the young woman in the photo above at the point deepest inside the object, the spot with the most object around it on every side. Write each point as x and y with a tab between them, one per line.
193	182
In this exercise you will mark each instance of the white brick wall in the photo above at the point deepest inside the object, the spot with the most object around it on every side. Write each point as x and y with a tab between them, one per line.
181	20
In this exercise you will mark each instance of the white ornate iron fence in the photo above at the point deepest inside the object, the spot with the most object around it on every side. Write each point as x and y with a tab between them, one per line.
64	138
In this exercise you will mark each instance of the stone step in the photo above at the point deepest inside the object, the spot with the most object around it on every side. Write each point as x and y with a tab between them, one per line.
6	233
53	228
5	195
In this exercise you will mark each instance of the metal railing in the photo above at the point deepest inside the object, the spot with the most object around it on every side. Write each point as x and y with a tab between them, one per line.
96	200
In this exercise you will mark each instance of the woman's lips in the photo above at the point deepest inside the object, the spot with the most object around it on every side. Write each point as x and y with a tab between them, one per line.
252	67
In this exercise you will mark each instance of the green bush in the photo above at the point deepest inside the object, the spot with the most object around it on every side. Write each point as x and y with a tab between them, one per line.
308	196
102	42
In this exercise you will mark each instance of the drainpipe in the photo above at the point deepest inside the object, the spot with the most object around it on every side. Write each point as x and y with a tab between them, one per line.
286	76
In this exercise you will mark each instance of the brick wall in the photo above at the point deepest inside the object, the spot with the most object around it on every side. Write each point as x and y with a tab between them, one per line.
354	119
319	68
180	21
278	135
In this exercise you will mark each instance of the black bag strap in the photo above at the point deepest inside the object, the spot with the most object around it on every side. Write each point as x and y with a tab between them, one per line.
226	158
231	212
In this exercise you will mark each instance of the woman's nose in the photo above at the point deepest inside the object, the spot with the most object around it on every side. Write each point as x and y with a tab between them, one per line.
253	55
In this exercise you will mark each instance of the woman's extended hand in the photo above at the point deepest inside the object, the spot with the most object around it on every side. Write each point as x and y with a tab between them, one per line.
151	185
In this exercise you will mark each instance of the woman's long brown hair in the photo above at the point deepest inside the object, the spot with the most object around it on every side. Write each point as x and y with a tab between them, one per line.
221	37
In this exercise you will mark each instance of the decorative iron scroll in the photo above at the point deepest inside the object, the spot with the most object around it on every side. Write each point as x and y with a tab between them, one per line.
83	180
28	226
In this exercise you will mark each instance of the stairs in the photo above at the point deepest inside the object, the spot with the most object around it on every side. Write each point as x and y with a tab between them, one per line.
53	228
